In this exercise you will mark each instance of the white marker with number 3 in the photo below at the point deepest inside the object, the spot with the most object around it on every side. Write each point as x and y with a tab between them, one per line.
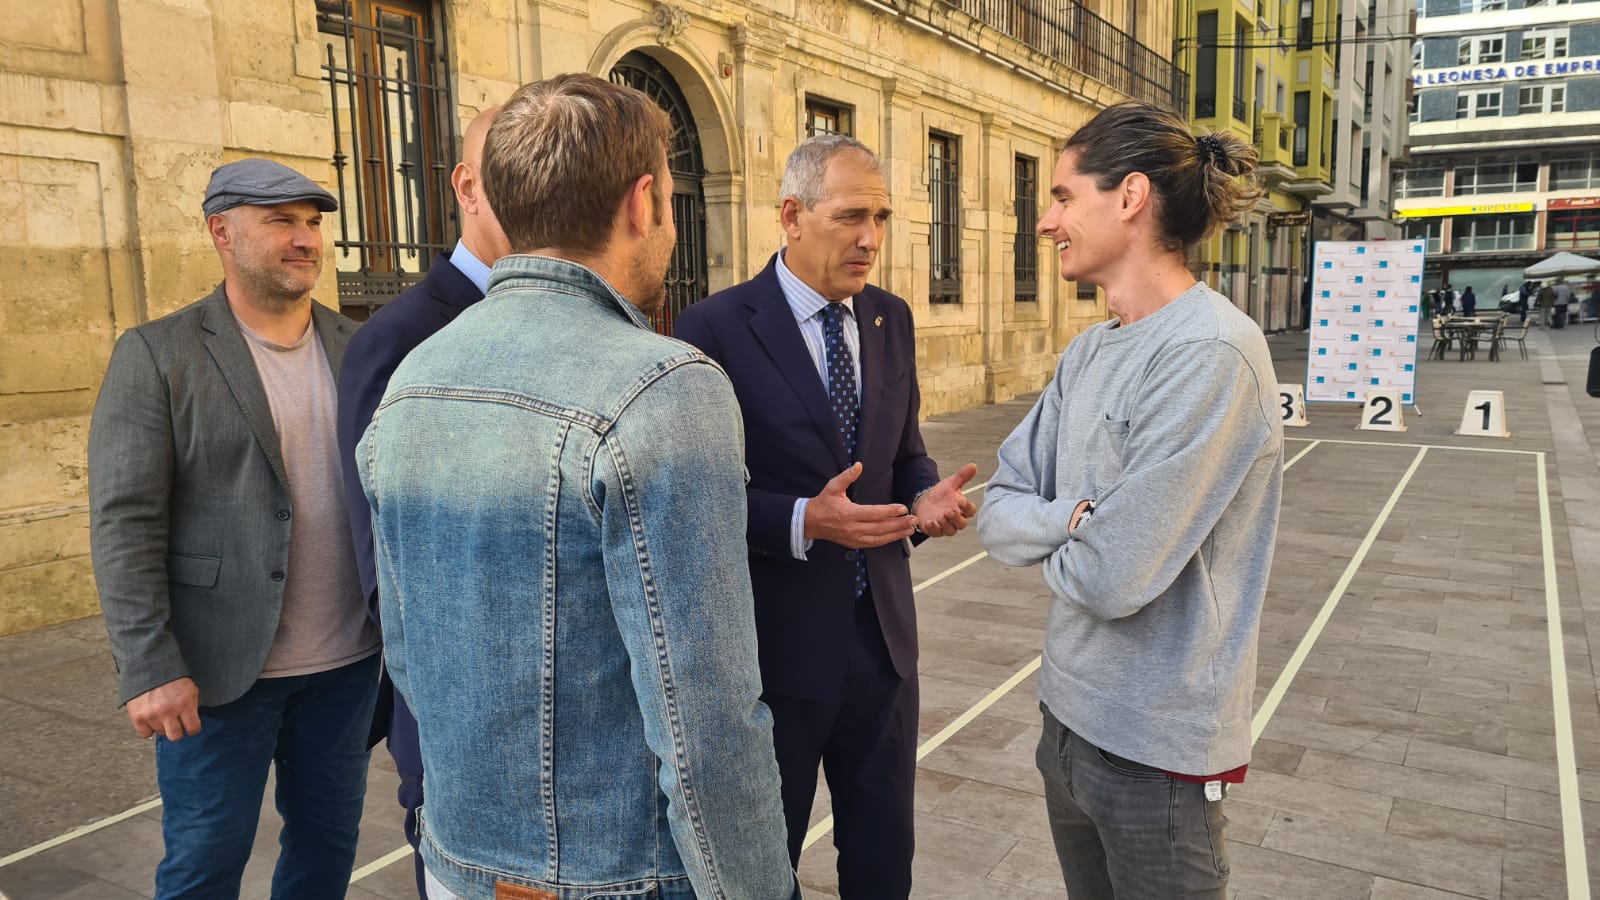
1292	405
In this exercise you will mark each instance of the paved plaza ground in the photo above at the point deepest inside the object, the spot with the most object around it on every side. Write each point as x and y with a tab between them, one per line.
1412	741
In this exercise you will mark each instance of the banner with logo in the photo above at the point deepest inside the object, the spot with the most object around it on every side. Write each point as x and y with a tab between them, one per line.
1366	306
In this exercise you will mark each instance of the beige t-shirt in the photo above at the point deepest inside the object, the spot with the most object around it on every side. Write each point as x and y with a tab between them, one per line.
324	623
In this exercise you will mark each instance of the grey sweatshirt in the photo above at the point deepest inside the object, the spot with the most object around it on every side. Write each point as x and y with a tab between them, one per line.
1170	425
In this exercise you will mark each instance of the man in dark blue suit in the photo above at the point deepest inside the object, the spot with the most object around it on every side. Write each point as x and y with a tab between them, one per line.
453	283
824	366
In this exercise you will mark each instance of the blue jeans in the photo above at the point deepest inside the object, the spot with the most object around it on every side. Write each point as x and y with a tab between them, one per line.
314	728
1125	830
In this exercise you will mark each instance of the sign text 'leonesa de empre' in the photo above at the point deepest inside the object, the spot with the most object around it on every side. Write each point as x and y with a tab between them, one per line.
1513	71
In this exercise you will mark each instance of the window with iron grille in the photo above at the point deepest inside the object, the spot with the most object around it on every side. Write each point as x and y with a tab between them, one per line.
944	222
1205	79
1241	32
828	117
1087	291
393	144
1025	259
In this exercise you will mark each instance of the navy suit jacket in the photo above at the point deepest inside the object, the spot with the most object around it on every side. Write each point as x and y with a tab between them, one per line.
373	355
805	608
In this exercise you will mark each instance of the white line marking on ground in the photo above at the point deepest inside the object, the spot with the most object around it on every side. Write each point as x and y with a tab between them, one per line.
950	571
1415	446
931	744
1302	453
1566	765
382	862
1292	668
79	832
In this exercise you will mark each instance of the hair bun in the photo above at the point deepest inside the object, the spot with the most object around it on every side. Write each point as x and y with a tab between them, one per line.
1211	149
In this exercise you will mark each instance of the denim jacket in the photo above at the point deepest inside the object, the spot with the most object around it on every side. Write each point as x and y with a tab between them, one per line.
558	516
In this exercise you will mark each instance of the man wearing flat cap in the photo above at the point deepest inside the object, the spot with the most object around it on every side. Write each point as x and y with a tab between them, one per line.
223	557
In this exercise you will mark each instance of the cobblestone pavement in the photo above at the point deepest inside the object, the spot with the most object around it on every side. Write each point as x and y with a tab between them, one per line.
1410	740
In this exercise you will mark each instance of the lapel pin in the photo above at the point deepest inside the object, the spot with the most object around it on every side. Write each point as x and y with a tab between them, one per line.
878	321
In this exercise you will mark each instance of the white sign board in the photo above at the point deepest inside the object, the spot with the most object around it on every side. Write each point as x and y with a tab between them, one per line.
1366	298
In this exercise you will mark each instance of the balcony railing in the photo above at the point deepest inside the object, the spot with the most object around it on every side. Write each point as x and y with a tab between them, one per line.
1069	34
1272	136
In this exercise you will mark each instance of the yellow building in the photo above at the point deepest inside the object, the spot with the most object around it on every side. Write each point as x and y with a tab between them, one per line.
1255	76
114	112
1318	86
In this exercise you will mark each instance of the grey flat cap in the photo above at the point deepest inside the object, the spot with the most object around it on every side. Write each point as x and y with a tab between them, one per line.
261	182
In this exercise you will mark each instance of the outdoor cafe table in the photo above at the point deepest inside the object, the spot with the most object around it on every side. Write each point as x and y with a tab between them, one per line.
1466	331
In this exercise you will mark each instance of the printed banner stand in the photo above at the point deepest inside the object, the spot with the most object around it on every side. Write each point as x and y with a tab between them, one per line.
1366	301
1484	415
1292	403
1382	412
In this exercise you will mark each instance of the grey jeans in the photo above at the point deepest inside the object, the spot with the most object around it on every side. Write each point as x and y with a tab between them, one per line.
1124	830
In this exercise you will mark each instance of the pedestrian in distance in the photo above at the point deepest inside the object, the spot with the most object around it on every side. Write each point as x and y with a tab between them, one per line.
223	558
840	487
1152	517
560	548
453	283
1469	302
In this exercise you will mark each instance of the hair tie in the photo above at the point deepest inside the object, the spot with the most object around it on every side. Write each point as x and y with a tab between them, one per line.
1210	149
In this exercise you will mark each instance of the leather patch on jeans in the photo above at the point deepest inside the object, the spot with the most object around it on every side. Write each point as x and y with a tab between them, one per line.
505	891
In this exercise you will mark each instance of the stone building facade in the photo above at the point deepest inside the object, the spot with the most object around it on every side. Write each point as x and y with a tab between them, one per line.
115	112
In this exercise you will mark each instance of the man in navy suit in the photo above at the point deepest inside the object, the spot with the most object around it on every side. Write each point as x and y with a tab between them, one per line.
824	366
453	283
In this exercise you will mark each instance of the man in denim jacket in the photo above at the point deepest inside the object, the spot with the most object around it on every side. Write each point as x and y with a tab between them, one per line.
558	516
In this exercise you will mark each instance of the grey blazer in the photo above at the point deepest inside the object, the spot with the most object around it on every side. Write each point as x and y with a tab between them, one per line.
188	502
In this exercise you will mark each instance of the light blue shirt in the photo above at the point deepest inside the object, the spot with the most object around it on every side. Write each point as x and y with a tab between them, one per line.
470	266
807	306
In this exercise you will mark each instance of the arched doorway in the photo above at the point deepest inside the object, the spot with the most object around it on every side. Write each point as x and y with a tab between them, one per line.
686	275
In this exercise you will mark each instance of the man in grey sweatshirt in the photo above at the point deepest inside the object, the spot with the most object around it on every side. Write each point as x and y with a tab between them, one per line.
1145	482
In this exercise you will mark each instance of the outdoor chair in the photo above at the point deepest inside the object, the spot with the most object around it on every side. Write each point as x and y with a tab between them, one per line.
1441	339
1518	334
1490	338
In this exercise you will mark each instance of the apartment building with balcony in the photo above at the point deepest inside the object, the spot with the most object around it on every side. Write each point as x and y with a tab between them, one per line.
1505	138
1372	78
1241	56
1318	86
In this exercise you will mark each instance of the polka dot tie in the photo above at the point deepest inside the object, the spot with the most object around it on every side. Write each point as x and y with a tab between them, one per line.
846	408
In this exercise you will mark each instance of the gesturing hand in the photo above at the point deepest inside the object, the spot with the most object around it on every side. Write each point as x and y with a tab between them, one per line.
944	510
833	516
173	709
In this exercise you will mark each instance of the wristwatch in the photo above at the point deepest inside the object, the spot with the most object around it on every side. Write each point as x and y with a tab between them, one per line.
1088	510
